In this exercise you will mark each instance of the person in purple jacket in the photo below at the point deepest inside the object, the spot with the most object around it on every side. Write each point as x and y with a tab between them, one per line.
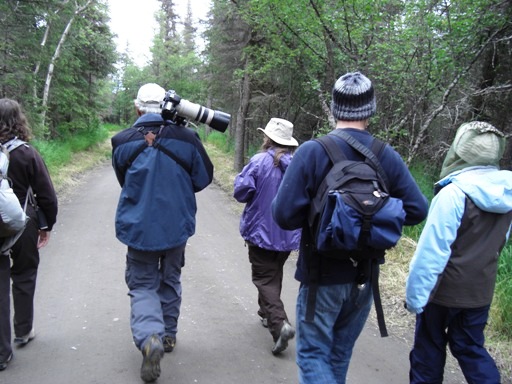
324	345
269	245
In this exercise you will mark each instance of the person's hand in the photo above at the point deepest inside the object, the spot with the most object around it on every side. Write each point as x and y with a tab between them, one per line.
44	237
411	309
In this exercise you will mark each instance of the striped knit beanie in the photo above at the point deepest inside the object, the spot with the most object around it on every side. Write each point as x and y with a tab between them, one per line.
353	98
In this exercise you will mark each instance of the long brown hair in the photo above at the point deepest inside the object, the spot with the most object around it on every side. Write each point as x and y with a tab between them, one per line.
280	150
13	122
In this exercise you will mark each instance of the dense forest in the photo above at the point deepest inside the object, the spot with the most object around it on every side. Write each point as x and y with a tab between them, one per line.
434	63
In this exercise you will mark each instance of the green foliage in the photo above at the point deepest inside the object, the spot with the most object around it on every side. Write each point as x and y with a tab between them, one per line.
425	176
112	128
221	141
30	39
501	311
57	153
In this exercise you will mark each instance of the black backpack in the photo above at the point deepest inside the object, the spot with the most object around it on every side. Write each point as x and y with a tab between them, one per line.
352	216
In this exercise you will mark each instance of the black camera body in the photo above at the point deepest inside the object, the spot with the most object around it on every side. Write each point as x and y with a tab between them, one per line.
178	110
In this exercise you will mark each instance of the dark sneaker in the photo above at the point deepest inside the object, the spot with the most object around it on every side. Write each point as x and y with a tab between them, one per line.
152	353
264	321
169	343
3	364
24	340
287	333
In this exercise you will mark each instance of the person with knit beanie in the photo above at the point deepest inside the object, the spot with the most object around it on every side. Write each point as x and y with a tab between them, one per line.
324	346
452	274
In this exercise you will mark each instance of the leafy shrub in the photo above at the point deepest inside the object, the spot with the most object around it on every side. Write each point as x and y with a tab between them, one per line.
501	311
221	141
57	153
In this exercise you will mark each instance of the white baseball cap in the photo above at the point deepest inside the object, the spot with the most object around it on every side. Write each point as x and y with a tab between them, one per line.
149	98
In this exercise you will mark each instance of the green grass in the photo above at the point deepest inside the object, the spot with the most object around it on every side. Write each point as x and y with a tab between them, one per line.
68	158
58	153
221	141
501	312
425	177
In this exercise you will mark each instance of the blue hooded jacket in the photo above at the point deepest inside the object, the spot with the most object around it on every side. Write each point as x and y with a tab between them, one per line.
157	205
256	186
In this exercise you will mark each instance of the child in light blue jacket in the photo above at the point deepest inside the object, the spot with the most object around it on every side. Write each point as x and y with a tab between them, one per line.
453	271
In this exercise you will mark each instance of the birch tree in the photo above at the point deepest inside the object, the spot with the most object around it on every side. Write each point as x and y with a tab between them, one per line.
78	10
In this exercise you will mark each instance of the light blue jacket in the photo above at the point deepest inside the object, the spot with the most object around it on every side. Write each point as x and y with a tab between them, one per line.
490	190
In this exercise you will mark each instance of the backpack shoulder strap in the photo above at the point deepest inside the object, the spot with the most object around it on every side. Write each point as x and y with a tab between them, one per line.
336	155
377	148
12	144
6	149
150	140
333	150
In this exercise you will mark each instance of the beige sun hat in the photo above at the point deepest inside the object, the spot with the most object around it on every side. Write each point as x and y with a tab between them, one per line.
280	131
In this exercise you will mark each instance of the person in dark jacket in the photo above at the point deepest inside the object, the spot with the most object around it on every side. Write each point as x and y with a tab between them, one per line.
452	274
27	170
324	346
160	166
269	246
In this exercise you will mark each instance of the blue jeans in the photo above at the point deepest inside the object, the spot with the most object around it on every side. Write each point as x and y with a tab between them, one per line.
324	347
461	329
154	281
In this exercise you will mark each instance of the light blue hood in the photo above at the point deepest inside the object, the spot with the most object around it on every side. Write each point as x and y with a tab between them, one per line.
489	188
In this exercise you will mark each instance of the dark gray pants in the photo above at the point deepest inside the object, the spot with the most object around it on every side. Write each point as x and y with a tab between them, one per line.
23	273
267	276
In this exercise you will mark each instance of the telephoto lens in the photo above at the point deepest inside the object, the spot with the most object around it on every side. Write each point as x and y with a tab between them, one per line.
174	106
215	119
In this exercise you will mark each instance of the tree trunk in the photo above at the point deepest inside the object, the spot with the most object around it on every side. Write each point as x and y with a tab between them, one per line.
244	92
38	64
55	56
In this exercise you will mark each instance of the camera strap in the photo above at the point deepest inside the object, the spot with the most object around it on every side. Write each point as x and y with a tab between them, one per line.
150	140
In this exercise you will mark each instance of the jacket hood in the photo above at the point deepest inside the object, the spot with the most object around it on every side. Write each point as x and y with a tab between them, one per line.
489	188
284	161
149	119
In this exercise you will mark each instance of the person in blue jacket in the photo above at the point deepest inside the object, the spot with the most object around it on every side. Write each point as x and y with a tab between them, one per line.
160	166
324	346
269	246
453	271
